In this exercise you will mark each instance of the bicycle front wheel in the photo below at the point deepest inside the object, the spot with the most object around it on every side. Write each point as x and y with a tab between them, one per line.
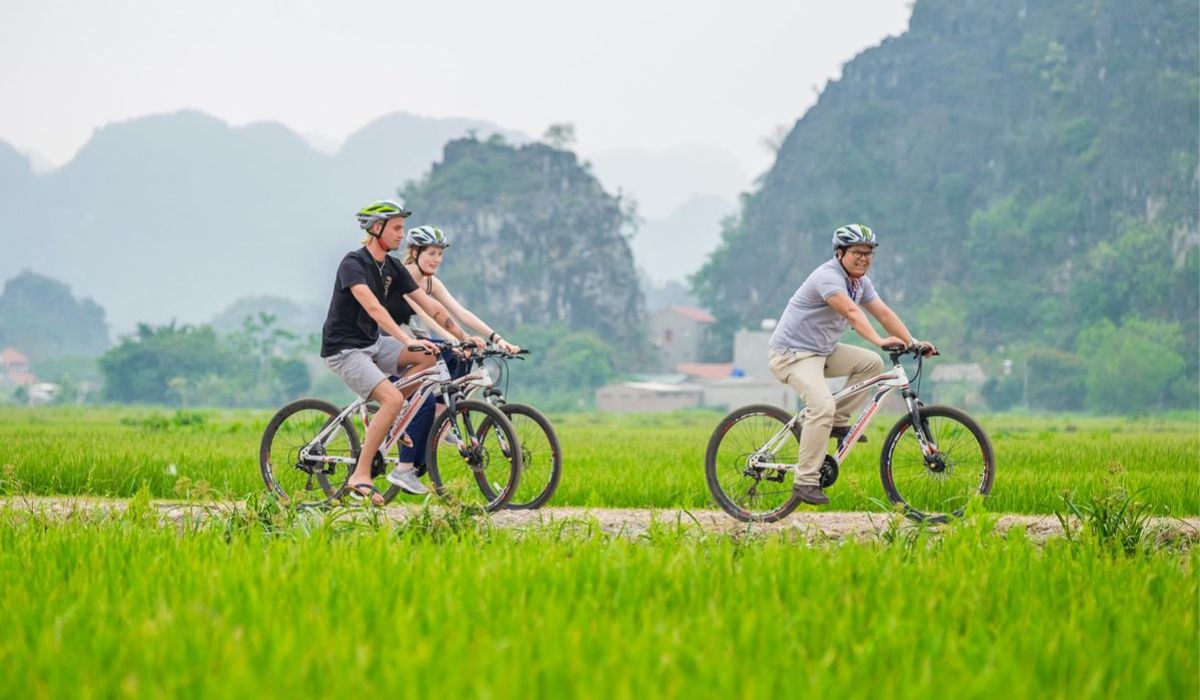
962	465
296	426
541	456
474	456
749	481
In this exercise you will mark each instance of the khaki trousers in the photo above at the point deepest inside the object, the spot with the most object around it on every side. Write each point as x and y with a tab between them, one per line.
806	372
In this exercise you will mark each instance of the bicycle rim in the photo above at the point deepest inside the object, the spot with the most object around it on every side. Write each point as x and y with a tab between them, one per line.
541	457
290	430
964	466
747	493
471	464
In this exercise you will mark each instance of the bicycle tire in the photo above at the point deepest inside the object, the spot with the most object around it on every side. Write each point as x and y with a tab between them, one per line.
541	456
957	437
466	477
739	434
291	428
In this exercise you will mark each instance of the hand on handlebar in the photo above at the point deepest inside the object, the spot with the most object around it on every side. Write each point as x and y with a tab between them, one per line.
927	349
425	346
892	342
475	341
507	346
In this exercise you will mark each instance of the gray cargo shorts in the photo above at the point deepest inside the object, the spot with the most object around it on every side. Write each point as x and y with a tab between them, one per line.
362	369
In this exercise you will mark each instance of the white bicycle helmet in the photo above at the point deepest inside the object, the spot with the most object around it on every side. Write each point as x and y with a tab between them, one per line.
853	234
422	236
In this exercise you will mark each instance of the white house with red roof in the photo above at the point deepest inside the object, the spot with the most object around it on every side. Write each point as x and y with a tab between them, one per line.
14	368
678	334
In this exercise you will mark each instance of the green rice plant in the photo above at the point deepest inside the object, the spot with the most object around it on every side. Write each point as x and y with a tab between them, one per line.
635	461
118	605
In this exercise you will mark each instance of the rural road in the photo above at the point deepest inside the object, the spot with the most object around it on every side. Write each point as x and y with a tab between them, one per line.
815	525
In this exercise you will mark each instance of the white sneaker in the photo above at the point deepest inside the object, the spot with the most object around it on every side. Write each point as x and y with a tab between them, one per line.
406	479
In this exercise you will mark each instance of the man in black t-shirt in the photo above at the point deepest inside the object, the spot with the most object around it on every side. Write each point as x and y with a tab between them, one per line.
351	343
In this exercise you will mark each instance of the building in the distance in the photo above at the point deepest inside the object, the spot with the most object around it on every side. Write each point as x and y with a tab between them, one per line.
678	334
14	368
647	397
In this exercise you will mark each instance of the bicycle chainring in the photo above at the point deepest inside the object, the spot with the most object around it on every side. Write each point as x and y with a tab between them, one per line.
378	466
829	472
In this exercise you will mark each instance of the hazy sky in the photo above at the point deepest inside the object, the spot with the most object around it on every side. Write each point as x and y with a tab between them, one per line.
639	74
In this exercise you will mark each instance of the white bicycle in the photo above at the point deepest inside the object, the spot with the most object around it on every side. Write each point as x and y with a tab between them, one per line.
473	456
933	460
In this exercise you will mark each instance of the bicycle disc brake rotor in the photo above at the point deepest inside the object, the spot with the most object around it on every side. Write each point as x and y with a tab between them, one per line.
476	457
939	467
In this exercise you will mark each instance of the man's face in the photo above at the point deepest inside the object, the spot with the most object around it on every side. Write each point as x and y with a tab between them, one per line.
857	259
393	233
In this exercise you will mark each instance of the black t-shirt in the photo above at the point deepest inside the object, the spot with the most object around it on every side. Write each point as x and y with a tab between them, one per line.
398	307
347	324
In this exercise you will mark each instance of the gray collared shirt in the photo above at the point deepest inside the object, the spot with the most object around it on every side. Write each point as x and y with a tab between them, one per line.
809	323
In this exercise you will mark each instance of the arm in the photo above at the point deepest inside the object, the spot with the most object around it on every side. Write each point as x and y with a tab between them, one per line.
842	304
443	295
437	313
892	323
888	319
432	325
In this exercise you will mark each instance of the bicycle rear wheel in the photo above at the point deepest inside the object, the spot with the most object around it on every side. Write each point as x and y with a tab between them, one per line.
293	427
748	492
474	456
541	456
963	466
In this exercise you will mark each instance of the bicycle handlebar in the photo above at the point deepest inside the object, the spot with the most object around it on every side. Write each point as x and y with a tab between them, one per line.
897	351
493	350
469	350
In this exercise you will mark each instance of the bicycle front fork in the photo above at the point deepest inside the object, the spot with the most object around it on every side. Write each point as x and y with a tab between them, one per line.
921	429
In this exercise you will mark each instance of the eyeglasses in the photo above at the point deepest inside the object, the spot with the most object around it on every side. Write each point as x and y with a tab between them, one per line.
862	254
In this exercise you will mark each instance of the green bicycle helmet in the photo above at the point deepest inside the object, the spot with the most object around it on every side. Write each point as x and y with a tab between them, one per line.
380	210
422	236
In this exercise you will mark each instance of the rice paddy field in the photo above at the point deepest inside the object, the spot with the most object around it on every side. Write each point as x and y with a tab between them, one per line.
646	461
260	601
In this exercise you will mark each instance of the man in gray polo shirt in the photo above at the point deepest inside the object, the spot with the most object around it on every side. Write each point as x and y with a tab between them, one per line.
804	348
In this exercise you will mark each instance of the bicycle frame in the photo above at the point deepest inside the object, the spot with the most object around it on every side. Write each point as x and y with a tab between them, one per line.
434	380
490	391
889	381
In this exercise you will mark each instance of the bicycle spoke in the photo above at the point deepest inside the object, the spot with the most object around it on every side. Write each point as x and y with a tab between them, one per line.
960	468
294	429
759	492
538	458
476	467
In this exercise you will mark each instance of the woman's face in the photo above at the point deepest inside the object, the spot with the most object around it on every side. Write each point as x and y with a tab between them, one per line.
430	259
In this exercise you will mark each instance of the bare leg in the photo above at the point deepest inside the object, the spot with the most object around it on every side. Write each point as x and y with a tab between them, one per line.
390	401
413	361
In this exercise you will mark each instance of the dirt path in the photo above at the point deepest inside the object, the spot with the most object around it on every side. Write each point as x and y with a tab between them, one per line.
631	522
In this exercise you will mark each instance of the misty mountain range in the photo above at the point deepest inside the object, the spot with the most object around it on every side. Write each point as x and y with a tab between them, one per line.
177	216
